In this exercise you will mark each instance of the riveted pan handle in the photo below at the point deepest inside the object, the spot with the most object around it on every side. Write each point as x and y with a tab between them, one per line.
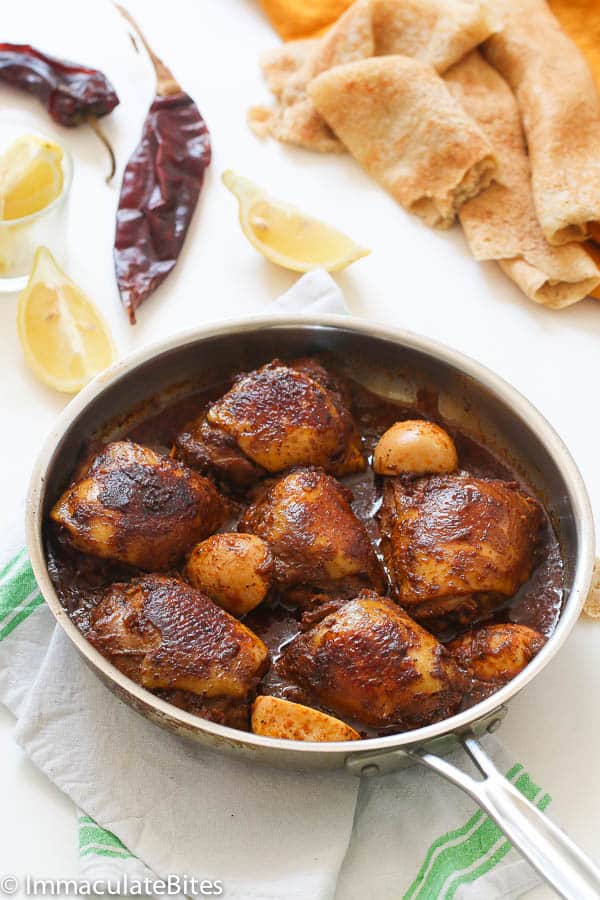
558	860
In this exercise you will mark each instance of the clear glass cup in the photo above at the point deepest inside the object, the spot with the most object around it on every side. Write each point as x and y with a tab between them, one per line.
20	238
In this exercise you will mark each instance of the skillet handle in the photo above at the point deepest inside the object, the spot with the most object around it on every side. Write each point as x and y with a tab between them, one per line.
554	855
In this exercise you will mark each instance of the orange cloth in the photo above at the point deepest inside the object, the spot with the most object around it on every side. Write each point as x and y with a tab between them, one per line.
581	20
307	18
303	18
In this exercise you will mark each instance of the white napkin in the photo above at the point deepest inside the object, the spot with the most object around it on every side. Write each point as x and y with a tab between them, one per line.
152	802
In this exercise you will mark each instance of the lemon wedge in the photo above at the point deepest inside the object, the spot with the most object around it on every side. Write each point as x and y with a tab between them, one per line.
31	176
284	235
64	338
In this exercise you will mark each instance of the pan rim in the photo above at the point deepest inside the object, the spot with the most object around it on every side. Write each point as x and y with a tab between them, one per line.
521	408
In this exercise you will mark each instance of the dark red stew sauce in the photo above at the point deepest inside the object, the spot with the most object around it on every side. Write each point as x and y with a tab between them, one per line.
80	579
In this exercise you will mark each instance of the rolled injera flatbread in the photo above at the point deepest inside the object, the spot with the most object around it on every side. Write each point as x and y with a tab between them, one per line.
398	119
581	20
439	32
560	109
501	222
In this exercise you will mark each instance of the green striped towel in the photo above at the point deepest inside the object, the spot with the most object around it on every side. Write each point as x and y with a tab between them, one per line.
414	836
152	803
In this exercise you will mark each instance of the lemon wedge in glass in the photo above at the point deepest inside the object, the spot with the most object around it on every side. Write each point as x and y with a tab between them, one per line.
64	338
284	235
31	176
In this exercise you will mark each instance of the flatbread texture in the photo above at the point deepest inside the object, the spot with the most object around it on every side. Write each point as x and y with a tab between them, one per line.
293	120
581	21
438	32
591	607
398	119
501	222
560	109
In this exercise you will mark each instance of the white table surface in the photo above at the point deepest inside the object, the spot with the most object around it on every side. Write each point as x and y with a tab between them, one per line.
415	278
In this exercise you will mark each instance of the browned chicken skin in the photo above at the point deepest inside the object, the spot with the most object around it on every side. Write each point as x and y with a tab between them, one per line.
496	653
301	567
315	537
231	711
210	449
273	419
370	661
138	507
165	634
455	543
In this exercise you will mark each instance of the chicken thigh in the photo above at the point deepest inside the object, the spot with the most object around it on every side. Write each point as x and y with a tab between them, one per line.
165	634
273	419
457	544
314	535
209	449
138	507
496	653
370	661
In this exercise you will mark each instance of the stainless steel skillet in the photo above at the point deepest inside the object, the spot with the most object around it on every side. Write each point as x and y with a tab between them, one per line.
395	364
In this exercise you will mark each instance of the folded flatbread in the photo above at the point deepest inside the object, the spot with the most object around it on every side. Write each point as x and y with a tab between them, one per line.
293	119
439	32
560	108
397	117
501	222
581	21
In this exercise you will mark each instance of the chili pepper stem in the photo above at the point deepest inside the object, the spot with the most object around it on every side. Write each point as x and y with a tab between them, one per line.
92	121
165	82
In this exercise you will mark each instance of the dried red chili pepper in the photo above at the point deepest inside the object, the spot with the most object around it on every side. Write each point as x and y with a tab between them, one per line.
160	189
70	92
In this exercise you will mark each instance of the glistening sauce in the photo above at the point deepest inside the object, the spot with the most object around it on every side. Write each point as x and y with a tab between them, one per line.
80	579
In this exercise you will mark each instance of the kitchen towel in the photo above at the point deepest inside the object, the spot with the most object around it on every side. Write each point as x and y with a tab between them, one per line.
151	802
